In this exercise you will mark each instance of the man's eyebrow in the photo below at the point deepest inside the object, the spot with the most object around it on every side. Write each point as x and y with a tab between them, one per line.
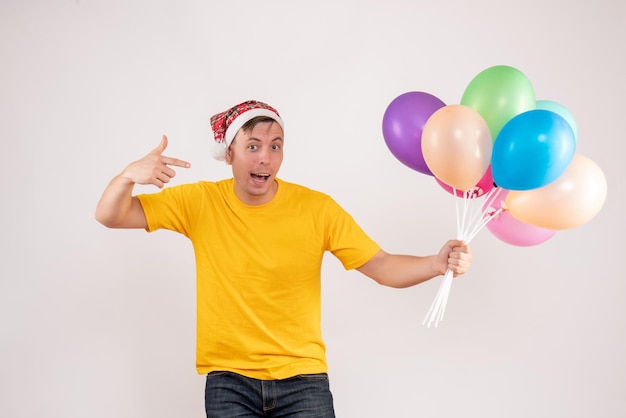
252	138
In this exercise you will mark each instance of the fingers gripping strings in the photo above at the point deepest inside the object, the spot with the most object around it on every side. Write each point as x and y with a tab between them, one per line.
470	219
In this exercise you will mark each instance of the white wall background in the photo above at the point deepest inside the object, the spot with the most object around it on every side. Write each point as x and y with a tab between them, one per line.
101	323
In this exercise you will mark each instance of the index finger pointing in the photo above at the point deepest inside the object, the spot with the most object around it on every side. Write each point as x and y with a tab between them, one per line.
176	162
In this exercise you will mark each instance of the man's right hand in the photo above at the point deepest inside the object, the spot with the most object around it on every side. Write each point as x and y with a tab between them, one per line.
117	207
154	168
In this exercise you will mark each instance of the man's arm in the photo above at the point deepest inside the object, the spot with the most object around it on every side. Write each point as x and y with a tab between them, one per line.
397	270
117	207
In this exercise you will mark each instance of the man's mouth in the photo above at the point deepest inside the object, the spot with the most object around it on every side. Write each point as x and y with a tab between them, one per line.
259	177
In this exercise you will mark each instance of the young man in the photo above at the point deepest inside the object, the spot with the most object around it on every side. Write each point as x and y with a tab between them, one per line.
259	243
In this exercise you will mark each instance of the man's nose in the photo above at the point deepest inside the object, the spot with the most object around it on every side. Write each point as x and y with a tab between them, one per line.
264	156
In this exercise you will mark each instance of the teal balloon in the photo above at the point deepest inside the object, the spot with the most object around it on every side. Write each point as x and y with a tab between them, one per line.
561	110
498	94
532	150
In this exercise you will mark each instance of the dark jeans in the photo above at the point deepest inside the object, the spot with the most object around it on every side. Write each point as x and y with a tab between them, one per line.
229	395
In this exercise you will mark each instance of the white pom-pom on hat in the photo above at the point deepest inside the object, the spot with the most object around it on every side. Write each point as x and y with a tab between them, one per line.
218	151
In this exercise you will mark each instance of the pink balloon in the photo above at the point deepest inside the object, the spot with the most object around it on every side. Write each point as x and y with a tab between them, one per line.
512	231
485	185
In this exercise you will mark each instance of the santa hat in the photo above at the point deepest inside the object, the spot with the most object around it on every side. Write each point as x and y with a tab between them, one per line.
226	124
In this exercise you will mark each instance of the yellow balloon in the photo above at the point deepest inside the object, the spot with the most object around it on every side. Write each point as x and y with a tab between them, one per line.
573	199
457	146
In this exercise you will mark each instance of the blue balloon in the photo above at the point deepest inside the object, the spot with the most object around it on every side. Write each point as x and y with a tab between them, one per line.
532	150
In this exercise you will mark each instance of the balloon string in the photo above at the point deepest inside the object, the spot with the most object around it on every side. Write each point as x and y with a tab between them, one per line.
482	224
484	220
456	206
479	213
447	282
468	222
466	208
437	308
472	214
490	199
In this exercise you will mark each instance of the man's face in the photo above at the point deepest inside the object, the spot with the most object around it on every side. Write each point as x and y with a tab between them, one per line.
255	157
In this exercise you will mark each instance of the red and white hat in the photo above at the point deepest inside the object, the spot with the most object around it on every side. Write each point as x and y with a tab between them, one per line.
225	125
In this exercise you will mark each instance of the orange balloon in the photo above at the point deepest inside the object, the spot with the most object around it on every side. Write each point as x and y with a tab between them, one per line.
573	199
457	145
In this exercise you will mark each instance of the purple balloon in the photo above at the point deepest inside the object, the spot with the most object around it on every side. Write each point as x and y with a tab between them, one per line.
403	123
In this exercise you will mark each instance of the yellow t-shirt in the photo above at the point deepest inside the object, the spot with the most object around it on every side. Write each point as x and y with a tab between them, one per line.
258	272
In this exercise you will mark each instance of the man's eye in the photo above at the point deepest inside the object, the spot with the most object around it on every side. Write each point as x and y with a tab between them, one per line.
252	147
275	147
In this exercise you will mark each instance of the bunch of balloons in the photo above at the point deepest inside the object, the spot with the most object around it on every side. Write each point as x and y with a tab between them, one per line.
500	141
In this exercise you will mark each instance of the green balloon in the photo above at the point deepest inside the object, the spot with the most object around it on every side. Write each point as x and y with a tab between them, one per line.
498	94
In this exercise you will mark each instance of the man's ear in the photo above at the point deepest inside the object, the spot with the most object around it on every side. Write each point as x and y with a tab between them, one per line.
228	157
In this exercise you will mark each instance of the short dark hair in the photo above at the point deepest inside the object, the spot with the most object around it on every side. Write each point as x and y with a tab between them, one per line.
249	125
